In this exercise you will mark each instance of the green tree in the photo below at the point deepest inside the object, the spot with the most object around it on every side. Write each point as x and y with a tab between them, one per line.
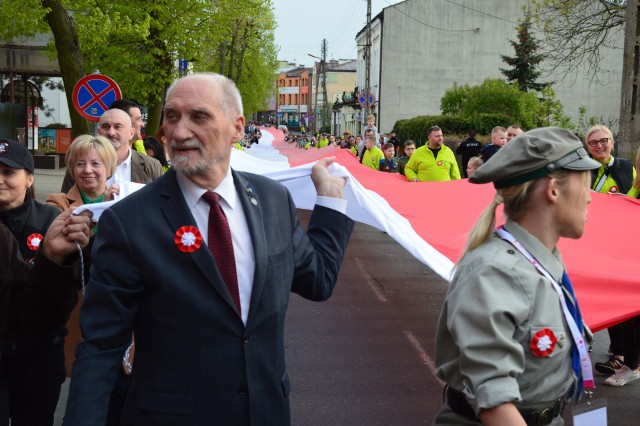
138	43
241	46
575	31
551	111
524	64
453	100
30	17
495	97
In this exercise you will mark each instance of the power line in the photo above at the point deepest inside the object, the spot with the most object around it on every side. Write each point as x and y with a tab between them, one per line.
481	12
425	24
345	25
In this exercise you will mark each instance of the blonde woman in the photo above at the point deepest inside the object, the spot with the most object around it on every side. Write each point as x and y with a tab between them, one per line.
91	160
503	344
615	175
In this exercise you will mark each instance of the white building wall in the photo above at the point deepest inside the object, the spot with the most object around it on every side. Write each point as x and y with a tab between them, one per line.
58	101
427	45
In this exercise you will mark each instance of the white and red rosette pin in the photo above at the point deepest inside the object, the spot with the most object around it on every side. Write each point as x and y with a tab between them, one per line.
543	342
188	239
34	240
613	190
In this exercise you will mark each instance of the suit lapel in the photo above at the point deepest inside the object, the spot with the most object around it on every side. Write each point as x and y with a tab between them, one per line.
137	167
252	205
175	210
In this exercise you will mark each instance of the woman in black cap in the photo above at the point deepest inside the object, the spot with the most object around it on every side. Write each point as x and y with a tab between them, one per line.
28	364
510	340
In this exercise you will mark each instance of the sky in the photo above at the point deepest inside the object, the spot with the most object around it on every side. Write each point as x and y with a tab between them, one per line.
302	24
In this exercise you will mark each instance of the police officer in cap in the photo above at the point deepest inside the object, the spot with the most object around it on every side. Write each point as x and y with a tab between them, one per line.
510	336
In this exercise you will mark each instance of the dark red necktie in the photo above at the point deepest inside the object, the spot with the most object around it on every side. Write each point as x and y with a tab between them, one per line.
220	245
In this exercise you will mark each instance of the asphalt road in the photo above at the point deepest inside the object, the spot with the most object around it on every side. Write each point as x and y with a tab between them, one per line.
365	357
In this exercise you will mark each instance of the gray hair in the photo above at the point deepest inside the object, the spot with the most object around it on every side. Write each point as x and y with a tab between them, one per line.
230	100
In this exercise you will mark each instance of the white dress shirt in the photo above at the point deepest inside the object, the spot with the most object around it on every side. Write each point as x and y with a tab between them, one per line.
240	235
122	172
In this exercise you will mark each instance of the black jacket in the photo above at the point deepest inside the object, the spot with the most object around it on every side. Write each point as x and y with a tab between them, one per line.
27	222
33	300
621	171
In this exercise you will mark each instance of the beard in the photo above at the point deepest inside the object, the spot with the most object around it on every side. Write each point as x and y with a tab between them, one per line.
183	163
116	143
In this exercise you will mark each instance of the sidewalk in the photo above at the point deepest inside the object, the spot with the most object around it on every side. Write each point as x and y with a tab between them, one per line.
48	181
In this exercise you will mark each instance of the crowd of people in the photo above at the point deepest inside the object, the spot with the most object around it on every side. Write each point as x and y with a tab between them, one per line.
213	349
235	235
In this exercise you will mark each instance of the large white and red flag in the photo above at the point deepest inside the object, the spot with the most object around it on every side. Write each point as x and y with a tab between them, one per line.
431	220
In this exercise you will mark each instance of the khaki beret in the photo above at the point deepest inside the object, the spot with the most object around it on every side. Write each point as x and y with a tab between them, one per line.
532	155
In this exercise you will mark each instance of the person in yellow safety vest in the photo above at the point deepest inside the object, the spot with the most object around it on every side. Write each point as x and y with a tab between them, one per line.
352	145
433	162
615	175
323	141
372	154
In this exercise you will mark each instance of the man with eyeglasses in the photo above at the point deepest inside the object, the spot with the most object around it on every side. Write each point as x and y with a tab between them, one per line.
409	148
433	162
616	175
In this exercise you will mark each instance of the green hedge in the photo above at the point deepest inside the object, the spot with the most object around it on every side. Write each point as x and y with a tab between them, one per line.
416	128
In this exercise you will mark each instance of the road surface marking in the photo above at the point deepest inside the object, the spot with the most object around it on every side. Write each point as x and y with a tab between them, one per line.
422	353
372	284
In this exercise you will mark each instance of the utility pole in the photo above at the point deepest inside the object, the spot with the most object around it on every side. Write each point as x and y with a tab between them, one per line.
367	59
315	106
629	136
323	66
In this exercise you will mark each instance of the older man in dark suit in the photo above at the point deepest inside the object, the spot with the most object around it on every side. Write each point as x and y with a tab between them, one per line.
202	276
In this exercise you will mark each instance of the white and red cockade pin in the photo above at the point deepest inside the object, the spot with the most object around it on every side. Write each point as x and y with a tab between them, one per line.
613	189
34	240
188	239
543	342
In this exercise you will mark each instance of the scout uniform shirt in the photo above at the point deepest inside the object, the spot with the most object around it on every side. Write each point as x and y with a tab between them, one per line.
502	336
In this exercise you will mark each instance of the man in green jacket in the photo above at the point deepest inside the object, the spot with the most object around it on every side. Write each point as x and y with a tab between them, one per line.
432	162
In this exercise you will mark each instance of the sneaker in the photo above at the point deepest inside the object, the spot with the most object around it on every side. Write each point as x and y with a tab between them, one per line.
623	376
610	366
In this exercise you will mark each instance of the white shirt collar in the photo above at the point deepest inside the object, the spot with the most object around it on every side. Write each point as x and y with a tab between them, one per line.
193	193
127	161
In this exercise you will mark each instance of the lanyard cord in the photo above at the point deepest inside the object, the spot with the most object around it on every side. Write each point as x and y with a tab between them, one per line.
585	361
603	178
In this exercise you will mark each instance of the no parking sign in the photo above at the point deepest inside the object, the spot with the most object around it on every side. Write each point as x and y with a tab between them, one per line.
362	99
93	94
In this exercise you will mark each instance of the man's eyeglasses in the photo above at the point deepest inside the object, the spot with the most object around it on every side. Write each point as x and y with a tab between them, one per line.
601	142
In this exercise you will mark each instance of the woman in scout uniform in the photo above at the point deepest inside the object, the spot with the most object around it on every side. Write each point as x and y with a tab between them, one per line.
28	364
510	340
